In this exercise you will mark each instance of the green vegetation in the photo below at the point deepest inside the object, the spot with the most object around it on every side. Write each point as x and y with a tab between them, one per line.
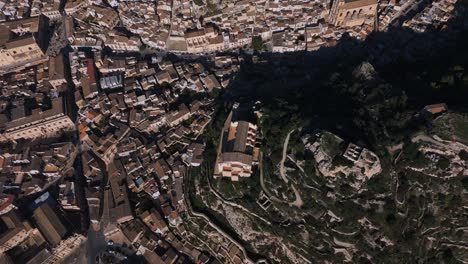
443	163
212	9
374	112
144	202
103	121
189	121
47	103
275	124
273	181
463	155
309	167
296	146
177	147
342	161
413	157
465	183
257	43
89	19
246	190
200	206
452	127
330	144
380	184
198	2
166	85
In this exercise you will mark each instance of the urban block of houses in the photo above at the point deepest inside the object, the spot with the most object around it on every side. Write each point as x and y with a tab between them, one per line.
44	124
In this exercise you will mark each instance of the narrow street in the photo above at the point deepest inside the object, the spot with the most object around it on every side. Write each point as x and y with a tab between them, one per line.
96	243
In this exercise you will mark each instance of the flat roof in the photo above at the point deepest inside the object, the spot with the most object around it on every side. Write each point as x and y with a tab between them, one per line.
57	108
24	41
351	4
7	27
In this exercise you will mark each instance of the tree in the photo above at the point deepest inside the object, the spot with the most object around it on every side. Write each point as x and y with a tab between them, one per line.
212	8
464	155
390	219
443	163
257	43
342	161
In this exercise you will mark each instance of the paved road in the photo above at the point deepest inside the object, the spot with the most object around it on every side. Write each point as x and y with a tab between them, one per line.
235	205
193	213
96	239
262	183
298	201
283	159
297	164
96	243
454	146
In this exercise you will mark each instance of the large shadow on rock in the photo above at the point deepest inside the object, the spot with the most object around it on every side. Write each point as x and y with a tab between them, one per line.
367	91
325	88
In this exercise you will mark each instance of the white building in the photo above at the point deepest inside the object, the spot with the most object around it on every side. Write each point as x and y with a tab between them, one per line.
236	152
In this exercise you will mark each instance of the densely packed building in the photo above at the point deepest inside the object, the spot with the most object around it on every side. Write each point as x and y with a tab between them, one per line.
118	118
95	122
186	27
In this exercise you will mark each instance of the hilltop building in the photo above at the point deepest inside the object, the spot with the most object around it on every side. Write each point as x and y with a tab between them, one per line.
435	109
236	152
350	13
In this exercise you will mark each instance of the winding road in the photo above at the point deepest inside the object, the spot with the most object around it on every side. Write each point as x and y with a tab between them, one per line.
262	183
298	201
232	204
283	159
192	213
